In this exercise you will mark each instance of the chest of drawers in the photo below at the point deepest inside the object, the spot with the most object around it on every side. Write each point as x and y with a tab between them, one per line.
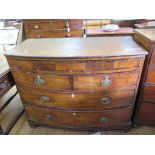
145	113
76	82
46	28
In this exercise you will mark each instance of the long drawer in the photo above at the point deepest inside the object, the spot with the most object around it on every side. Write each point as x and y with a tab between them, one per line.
112	81
84	119
54	34
78	101
97	82
85	66
43	81
146	113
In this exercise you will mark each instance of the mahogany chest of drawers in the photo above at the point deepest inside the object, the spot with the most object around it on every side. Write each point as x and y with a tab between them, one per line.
76	82
145	112
54	28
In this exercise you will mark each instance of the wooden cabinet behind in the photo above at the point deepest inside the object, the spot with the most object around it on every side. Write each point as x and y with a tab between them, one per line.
82	86
145	113
56	28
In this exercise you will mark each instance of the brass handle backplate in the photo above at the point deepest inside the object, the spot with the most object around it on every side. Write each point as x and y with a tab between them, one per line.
3	85
49	116
39	81
105	100
44	98
104	119
106	82
36	26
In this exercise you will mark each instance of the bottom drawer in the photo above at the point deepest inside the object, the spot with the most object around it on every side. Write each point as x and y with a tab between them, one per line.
146	113
77	119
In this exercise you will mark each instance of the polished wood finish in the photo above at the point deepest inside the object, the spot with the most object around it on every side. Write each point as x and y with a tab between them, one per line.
95	48
76	82
77	100
78	119
146	96
61	28
82	66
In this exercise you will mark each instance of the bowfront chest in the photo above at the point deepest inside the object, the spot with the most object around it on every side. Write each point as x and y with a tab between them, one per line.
76	82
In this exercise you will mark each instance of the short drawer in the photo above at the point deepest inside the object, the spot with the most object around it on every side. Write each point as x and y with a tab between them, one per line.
43	81
112	81
40	25
150	75
70	66
54	34
70	23
146	113
78	101
149	93
83	119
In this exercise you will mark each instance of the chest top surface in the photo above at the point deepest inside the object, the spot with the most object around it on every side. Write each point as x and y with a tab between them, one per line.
147	33
77	47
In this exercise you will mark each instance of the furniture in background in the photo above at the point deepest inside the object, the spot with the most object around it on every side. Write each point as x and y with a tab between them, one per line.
52	28
9	112
99	32
145	111
94	28
89	84
145	25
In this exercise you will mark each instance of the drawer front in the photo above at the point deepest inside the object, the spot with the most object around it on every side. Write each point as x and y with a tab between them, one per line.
54	34
152	61
106	81
75	66
151	75
64	24
147	113
80	101
83	119
149	93
5	82
43	81
43	25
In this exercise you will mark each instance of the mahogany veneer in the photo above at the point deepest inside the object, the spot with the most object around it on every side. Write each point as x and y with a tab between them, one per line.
76	82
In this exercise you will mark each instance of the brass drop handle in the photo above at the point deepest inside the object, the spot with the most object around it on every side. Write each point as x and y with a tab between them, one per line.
39	81
38	36
104	119
67	24
36	26
44	98
67	27
106	82
50	117
105	100
3	85
68	35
